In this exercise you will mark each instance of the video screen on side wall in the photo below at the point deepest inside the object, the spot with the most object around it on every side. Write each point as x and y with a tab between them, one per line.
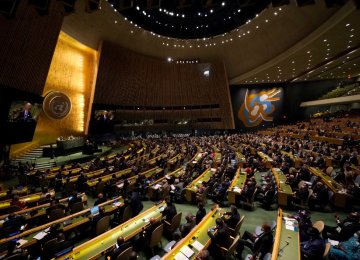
24	111
104	115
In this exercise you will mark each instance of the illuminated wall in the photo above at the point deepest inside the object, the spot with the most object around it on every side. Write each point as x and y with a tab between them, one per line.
72	71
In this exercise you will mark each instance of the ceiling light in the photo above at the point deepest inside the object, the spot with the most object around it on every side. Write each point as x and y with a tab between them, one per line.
325	40
351	35
138	8
266	21
347	24
223	4
308	52
275	13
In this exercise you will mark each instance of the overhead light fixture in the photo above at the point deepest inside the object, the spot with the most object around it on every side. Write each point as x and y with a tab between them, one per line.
206	73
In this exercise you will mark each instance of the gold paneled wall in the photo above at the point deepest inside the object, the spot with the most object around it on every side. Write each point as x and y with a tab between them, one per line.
72	71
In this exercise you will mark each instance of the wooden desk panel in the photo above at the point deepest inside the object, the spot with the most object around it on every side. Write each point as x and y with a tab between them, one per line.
198	233
283	236
94	247
238	181
284	190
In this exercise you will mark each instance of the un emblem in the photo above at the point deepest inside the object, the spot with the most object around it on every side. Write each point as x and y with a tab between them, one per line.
56	105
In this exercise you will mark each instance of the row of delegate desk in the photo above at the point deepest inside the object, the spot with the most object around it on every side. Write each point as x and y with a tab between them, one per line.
40	210
31	237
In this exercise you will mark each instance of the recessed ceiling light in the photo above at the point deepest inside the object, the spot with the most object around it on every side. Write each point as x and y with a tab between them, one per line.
223	4
325	40
351	35
347	24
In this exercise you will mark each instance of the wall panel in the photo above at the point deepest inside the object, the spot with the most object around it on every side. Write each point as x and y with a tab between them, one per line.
72	71
27	44
130	79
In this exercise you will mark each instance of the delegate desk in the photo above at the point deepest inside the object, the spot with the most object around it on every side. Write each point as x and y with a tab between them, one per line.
284	189
31	198
93	248
266	159
192	188
156	185
287	239
16	191
236	185
340	196
29	237
171	162
70	143
297	161
198	156
107	177
40	210
197	234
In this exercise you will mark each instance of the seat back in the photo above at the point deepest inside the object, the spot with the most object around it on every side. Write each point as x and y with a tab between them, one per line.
156	235
319	225
13	208
327	250
102	225
127	214
125	255
56	214
175	222
238	226
77	207
233	246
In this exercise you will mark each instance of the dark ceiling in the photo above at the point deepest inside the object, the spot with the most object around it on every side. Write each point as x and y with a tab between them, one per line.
189	19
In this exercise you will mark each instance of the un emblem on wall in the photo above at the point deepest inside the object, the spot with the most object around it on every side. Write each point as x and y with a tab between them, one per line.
56	105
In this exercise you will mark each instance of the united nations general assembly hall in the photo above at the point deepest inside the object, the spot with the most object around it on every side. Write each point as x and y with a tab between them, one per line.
180	129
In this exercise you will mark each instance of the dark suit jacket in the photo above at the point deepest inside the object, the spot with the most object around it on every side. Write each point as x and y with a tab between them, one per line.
233	220
21	116
200	214
264	244
119	250
169	212
221	237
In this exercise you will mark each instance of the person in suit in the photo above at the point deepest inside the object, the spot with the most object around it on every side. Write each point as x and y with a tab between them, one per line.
96	218
345	229
201	213
25	115
121	246
220	236
188	226
259	245
146	232
60	245
100	199
314	247
169	211
136	203
232	217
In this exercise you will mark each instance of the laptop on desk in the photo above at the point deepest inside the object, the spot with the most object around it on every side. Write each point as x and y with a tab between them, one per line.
94	211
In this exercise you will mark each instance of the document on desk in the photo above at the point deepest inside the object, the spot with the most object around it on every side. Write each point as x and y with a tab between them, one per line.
187	251
40	235
21	242
180	256
197	245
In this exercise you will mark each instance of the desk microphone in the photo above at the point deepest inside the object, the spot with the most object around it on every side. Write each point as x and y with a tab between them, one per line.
282	249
